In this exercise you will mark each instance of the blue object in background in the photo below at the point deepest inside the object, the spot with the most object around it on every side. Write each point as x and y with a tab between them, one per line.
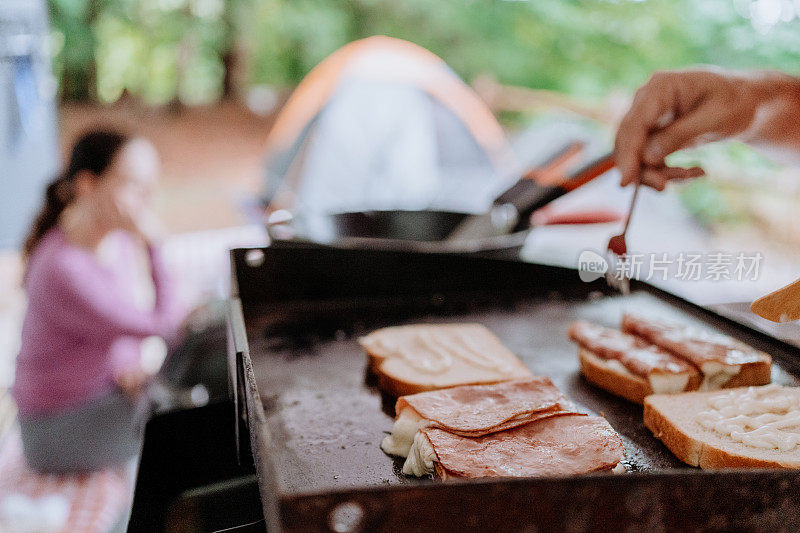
13	122
25	98
28	135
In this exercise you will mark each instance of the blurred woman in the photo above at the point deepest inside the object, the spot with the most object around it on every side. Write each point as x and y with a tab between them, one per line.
79	380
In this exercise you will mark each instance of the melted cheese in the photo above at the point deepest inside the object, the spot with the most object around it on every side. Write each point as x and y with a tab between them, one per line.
660	382
402	437
716	375
667	383
420	458
616	366
765	417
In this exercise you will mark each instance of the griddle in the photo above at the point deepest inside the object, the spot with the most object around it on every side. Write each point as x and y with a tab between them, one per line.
316	417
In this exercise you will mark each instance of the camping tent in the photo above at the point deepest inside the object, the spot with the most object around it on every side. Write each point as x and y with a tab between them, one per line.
384	124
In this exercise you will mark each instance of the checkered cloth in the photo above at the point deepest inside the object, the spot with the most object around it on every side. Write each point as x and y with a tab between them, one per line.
96	501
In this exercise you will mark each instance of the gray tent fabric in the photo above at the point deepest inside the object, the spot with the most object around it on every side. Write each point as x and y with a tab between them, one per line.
383	142
380	146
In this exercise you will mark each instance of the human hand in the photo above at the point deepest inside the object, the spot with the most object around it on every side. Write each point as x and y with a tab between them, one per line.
143	223
77	217
680	109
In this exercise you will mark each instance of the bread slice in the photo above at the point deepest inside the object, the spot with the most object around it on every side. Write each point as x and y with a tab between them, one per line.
720	429
418	358
723	361
610	375
628	366
751	374
613	377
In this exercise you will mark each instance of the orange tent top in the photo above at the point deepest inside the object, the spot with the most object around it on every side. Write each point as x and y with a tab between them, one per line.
430	73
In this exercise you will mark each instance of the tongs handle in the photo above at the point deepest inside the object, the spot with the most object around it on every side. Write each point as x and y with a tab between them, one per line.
589	171
554	166
532	179
527	196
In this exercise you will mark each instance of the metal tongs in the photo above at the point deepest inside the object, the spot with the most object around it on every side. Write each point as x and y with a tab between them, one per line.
617	251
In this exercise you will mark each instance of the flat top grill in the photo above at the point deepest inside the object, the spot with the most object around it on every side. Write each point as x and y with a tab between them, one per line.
327	417
317	429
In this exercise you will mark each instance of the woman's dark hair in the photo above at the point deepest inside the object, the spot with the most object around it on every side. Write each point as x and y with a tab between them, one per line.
94	152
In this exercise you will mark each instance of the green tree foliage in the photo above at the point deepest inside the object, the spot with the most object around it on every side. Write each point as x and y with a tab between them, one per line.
576	46
158	50
161	50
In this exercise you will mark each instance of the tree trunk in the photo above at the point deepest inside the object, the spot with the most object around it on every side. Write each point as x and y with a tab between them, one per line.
79	77
230	56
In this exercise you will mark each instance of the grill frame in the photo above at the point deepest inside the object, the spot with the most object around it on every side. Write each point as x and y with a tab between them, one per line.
289	289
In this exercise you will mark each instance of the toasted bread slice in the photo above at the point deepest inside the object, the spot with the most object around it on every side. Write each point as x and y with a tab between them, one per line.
752	374
747	427
418	358
628	366
612	376
723	361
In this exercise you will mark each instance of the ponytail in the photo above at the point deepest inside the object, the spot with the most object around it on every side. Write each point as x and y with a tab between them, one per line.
56	197
93	152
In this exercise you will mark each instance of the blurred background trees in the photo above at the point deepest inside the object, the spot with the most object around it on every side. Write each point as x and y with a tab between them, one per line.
587	54
197	51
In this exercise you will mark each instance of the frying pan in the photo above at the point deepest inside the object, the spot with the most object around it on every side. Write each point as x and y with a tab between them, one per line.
428	230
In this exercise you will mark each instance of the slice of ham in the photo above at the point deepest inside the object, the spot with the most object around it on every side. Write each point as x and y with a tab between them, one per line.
635	354
480	409
562	445
695	345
